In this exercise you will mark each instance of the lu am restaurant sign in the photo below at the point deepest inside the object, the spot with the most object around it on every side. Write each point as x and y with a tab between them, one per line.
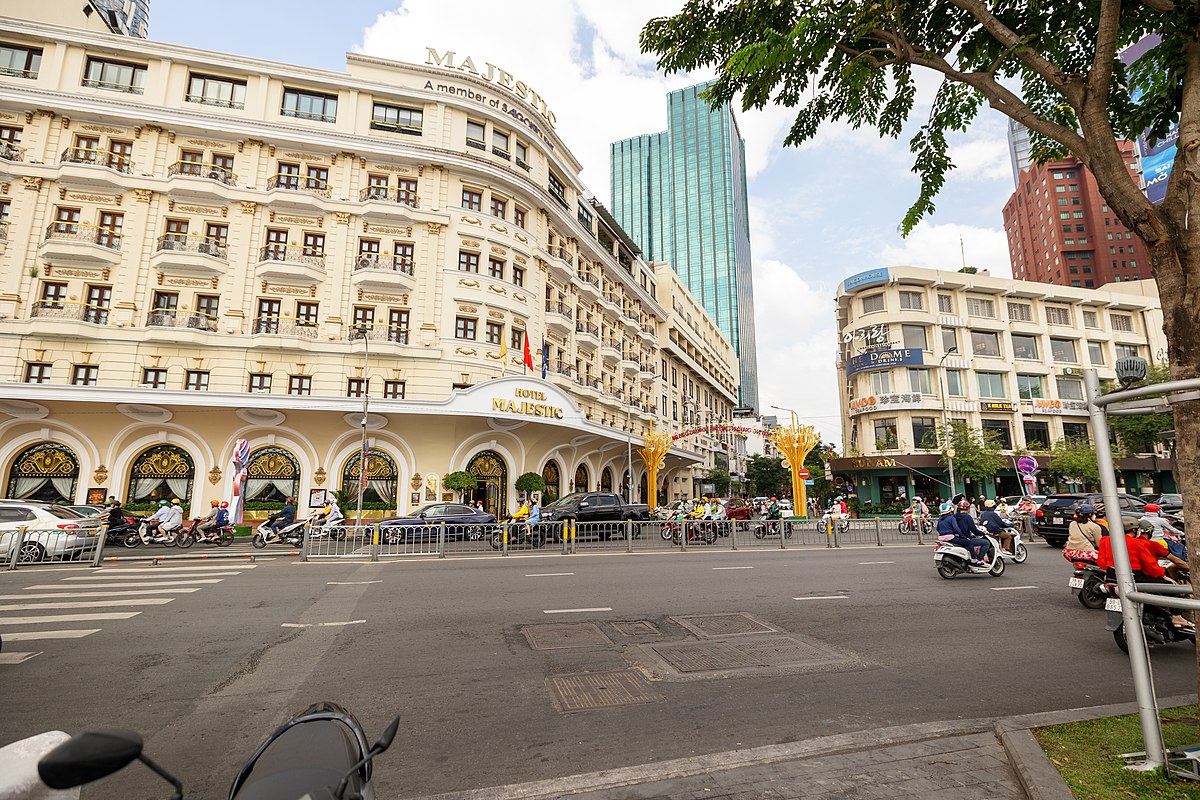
884	359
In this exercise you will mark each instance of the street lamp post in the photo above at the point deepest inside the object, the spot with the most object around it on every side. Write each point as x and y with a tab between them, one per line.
628	455
363	332
943	386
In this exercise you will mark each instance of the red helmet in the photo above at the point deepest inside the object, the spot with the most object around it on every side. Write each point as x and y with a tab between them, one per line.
964	505
224	504
1153	508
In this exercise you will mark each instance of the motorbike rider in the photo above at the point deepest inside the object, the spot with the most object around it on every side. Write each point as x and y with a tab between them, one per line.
838	506
918	508
166	519
995	525
205	524
331	514
1083	535
1160	524
116	515
965	533
774	510
282	518
1143	560
219	518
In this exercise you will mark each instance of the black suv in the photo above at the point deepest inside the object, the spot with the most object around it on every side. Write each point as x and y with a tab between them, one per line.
1054	516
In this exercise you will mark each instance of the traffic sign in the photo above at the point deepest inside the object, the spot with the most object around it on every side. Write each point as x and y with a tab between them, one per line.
802	473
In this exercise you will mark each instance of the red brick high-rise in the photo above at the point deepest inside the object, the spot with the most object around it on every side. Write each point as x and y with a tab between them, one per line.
1060	229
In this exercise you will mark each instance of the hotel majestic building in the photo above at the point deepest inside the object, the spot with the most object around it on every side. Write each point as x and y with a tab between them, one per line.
201	247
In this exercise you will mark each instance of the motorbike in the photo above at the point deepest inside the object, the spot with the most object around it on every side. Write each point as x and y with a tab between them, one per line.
190	536
519	533
1157	625
1087	584
319	754
116	533
908	524
952	560
772	527
833	518
291	534
697	530
1020	551
136	538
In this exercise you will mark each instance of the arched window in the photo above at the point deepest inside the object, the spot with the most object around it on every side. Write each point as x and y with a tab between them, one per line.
553	479
606	484
46	472
581	479
161	473
491	476
382	479
272	475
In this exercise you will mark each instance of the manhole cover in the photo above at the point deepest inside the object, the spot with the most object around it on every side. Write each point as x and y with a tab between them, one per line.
785	651
562	637
589	691
712	625
638	628
704	656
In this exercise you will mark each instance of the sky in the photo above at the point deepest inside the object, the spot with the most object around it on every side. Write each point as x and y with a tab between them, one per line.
818	213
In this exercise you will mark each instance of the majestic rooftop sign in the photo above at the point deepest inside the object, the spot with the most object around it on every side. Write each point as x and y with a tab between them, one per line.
493	74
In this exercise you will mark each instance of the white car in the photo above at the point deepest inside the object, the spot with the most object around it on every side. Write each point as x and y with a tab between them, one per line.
51	531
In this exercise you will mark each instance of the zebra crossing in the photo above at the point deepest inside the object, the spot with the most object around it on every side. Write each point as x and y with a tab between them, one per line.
74	607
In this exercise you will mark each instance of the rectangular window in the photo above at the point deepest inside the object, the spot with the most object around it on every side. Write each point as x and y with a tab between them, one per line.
37	372
20	62
494	332
886	434
1030	387
318	178
154	378
1058	315
522	155
393	390
914	337
991	385
517	339
1020	312
464	328
918	381
1063	351
1025	347
98	300
468	262
300	384
518	275
260	382
557	188
954	383
881	382
207	306
306	314
267	320
397	119
115	76
981	307
872	303
924	431
1125	351
496	268
472	200
998	430
398	325
949	340
53	295
1076	431
945	304
211	91
985	343
1121	322
499	207
196	380
1069	389
1096	353
85	375
1091	319
309	105
519	217
362	317
500	144
912	300
357	387
1037	435
585	217
476	135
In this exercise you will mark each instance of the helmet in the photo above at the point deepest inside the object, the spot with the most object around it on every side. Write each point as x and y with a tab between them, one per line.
839	498
224	504
163	503
175	501
964	505
1087	509
945	508
1144	527
989	503
291	500
1153	508
215	503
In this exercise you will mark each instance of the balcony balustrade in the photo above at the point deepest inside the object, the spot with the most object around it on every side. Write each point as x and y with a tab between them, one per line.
97	157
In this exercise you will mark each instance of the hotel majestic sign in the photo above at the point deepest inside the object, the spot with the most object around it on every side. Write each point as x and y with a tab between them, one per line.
493	74
528	406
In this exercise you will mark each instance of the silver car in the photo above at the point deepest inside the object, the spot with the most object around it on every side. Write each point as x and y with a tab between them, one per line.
51	531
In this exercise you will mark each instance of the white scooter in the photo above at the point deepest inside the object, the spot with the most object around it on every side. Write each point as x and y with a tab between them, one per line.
952	560
1020	551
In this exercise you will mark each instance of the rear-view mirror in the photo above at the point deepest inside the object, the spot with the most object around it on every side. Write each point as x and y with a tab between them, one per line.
87	757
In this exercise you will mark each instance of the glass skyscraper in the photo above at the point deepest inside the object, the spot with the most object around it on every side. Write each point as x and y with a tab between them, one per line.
681	195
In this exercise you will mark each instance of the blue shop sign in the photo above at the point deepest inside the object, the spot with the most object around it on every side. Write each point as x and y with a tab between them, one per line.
868	278
885	359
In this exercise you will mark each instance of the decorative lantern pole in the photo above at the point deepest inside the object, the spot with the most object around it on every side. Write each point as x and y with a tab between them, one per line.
795	442
654	447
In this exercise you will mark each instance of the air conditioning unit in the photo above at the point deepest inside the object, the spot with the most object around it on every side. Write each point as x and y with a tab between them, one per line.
215	174
367	261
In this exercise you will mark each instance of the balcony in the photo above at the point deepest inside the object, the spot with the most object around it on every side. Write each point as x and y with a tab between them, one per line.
298	190
587	336
11	152
175	318
389	194
284	326
561	370
648	333
65	309
630	364
378	333
611	299
647	374
589	285
562	262
290	262
559	317
200	179
189	253
77	243
631	321
610	350
98	158
383	271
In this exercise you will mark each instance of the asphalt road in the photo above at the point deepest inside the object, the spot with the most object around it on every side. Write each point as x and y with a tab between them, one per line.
207	675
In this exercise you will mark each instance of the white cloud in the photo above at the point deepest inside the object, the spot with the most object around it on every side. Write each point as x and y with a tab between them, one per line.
943	246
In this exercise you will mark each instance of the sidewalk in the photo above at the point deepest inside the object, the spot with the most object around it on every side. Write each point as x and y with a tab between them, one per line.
978	759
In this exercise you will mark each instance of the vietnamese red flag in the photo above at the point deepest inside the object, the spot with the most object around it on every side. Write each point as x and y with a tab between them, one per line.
528	356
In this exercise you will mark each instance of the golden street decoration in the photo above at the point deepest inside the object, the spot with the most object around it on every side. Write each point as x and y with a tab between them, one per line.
795	441
656	445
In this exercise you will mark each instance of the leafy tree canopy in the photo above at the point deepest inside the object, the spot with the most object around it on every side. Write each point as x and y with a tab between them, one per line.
459	481
767	475
530	482
1075	458
719	478
976	452
1138	434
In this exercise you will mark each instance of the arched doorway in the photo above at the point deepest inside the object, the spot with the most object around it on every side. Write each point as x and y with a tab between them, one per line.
581	479
553	480
161	473
46	473
272	476
606	480
491	488
642	489
382	480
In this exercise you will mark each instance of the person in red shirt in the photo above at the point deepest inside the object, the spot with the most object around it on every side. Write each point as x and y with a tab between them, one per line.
1143	559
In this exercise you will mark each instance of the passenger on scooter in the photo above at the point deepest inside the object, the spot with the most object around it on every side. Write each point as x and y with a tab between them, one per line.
168	518
970	536
206	524
218	519
1083	535
282	518
1150	552
331	514
919	509
1161	525
995	525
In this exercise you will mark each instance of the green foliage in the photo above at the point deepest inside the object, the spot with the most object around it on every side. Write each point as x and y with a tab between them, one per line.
150	508
459	481
767	476
719	478
1075	458
970	270
976	452
530	482
864	510
1140	433
262	505
815	462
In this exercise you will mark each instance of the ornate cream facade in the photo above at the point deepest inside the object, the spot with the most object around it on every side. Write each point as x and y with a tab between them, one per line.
194	242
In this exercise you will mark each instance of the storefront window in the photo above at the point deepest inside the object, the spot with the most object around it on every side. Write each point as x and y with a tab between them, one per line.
164	472
46	473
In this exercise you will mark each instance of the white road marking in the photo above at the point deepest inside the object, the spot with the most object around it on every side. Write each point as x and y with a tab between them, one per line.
122	585
349	583
824	597
715	568
16	658
27	636
181	578
159	570
95	594
321	624
142	601
865	563
547	574
67	618
574	610
1009	588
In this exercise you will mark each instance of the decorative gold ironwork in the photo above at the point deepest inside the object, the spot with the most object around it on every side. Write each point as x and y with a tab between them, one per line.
415	482
486	465
214	476
100	474
163	461
492	473
581	478
655	445
380	467
552	478
46	460
273	462
795	441
319	476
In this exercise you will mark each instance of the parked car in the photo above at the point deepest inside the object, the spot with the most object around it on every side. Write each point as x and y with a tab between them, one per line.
52	531
1054	515
594	507
1013	499
87	510
462	522
1169	503
738	508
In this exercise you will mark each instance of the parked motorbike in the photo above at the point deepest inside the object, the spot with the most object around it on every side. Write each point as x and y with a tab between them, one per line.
191	536
136	538
1087	584
831	518
908	523
519	533
1157	625
319	754
952	560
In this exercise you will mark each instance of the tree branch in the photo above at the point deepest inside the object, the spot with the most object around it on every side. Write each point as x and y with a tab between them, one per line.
1048	71
1108	26
1165	6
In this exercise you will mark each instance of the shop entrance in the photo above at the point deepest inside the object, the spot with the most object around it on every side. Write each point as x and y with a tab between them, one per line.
491	487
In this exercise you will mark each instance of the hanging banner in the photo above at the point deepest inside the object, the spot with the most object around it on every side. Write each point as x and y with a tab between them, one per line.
884	359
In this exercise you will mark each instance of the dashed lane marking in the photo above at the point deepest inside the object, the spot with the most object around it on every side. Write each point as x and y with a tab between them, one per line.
717	568
349	583
29	636
129	593
1010	588
824	597
160	570
548	574
866	563
574	610
189	576
321	624
141	601
16	658
123	585
67	618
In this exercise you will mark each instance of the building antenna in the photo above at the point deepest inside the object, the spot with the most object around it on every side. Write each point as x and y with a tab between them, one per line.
963	248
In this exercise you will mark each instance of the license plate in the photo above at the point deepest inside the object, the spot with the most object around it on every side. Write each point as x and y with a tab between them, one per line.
1075	583
1056	521
1112	604
937	556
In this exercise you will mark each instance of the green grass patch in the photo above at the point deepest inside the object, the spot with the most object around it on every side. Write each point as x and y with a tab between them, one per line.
1087	755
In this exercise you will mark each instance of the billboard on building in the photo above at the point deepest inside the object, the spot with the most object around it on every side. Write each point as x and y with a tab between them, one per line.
1156	155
